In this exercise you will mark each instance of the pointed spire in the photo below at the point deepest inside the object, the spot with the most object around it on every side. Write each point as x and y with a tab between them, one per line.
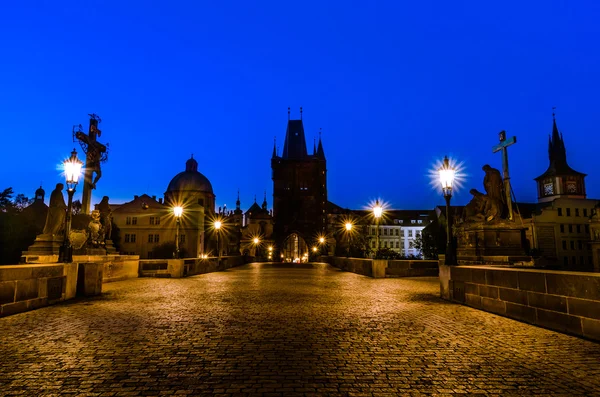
320	151
300	112
314	146
288	113
274	147
238	202
264	204
255	199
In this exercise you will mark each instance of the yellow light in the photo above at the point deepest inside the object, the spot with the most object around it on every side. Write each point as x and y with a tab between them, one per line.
377	210
218	225
348	226
256	240
72	168
321	240
314	249
178	211
270	248
447	174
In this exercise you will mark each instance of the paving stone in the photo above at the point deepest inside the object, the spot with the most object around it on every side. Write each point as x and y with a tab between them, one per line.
282	331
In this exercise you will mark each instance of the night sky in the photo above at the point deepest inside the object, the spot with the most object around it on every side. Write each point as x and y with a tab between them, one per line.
394	86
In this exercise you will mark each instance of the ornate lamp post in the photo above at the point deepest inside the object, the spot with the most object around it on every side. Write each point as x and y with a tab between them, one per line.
377	211
177	211
447	174
348	230
72	168
218	225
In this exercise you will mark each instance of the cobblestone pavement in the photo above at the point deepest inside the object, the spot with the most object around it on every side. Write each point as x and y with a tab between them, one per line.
284	331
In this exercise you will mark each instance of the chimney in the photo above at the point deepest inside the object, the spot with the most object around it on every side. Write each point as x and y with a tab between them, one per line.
160	201
153	197
136	197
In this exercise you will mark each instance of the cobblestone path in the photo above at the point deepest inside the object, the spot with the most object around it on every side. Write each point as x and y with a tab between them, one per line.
284	331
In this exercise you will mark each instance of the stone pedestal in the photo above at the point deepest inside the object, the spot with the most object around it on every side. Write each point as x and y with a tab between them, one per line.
497	243
45	249
89	278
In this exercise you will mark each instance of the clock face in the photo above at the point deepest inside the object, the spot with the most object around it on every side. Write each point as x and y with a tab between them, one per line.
548	189
571	187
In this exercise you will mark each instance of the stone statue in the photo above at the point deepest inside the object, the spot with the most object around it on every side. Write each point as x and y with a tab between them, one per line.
493	184
55	221
95	232
105	217
482	207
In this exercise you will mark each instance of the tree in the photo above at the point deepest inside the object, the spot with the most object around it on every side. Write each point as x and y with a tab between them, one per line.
426	243
21	202
6	203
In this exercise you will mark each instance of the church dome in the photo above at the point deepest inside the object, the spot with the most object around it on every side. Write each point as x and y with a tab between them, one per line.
190	180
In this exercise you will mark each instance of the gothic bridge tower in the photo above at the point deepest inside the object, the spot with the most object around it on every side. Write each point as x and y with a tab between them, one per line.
299	193
559	180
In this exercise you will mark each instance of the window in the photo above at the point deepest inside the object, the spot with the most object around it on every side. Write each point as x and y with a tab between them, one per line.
564	244
570	228
385	244
395	221
576	211
156	238
572	244
587	229
401	221
128	220
419	221
568	212
566	260
562	228
412	221
397	244
560	212
574	260
410	233
127	237
397	232
133	238
578	228
182	239
580	247
150	237
134	220
417	234
152	223
385	232
585	212
374	231
373	244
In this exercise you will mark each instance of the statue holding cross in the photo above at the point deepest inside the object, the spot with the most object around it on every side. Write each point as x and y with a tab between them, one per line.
503	145
96	153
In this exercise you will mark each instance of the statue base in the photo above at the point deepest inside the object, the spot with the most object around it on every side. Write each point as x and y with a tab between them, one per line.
45	249
501	243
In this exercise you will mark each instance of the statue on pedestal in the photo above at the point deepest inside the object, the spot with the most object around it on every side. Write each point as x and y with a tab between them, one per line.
57	211
105	217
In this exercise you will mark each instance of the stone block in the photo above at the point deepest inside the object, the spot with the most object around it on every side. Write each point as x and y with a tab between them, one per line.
70	271
513	295
521	312
591	328
378	269
493	305
397	264
45	271
26	289
548	302
423	264
532	281
13	308
89	278
461	274
478	276
37	303
575	285
11	273
445	281
559	321
584	308
502	278
458	291
7	292
488	291
473	300
43	286
472	289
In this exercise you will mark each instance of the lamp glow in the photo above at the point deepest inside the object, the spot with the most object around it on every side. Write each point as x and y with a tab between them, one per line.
377	210
447	174
348	226
218	225
178	211
72	168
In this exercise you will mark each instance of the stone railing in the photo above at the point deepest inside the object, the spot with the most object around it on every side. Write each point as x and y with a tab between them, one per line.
562	301
28	287
177	268
379	268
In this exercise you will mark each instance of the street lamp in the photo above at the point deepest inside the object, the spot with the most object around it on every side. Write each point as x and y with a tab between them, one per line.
348	230
447	174
377	211
218	225
177	211
72	168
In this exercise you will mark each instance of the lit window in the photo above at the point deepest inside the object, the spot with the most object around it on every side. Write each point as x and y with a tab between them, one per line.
134	220
133	238
410	233
156	238
419	221
128	220
127	237
151	222
150	237
182	239
413	221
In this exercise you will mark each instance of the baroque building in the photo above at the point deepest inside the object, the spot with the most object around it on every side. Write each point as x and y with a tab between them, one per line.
299	193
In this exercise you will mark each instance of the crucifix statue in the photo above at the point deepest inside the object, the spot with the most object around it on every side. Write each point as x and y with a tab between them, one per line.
96	153
503	145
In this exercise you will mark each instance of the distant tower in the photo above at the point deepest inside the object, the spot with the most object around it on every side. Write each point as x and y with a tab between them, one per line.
299	192
39	195
559	180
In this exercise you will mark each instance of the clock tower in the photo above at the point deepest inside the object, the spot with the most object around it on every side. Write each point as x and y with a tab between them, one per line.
559	180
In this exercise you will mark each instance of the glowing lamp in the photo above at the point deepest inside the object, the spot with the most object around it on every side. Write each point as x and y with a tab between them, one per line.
256	240
217	225
72	167
178	211
348	226
447	174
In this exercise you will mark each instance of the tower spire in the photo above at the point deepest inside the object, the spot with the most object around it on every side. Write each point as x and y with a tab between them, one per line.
300	112
288	113
314	146
237	202
320	151
264	204
274	147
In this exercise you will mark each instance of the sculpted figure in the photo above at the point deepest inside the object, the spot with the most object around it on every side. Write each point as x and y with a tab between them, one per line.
55	221
95	229
105	217
492	182
482	207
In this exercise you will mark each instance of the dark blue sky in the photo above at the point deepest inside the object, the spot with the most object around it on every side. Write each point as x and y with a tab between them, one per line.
394	85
